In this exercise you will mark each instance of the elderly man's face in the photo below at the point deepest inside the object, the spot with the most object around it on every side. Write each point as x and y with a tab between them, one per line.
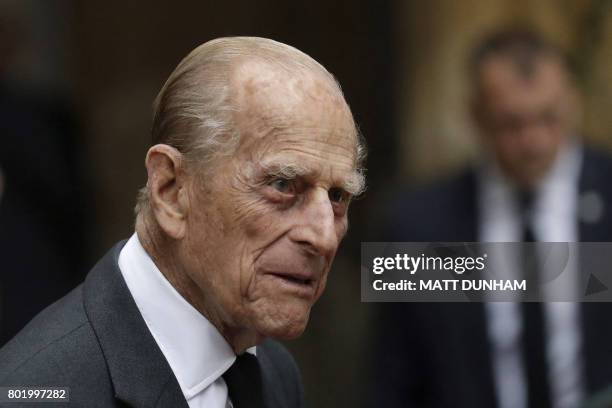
525	121
264	228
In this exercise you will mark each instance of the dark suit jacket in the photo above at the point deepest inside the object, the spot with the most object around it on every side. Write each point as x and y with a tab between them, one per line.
95	341
437	354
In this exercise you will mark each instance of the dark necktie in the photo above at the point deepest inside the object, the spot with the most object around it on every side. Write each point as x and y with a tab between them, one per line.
534	335
244	382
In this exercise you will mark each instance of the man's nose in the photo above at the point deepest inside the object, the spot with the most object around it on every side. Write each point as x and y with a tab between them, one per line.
316	229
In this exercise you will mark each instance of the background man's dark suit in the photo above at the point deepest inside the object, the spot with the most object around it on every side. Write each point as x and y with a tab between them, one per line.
436	354
95	341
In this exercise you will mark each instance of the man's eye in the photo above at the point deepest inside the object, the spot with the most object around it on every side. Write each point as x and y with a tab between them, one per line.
337	195
282	185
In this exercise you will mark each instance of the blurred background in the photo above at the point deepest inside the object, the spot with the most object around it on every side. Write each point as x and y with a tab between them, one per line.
77	79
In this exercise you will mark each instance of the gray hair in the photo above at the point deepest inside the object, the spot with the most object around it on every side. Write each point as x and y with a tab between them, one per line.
193	111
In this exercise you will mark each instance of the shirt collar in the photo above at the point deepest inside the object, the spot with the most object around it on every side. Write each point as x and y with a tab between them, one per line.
559	181
193	347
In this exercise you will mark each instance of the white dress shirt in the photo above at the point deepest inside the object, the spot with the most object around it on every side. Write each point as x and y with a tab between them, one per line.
554	219
195	350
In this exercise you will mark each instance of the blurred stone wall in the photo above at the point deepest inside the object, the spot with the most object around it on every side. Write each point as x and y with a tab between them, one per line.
434	39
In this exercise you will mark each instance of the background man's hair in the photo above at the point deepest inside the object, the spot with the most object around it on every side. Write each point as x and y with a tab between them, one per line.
523	46
193	111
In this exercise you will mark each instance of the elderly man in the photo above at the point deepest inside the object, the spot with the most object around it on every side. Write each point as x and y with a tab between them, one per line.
254	161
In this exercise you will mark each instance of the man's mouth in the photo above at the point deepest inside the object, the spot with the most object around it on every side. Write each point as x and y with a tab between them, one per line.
300	280
301	284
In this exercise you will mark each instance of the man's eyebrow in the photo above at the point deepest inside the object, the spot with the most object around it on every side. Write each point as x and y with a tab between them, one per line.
284	170
354	183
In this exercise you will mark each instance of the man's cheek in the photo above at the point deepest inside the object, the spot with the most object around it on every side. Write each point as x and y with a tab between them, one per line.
248	207
321	286
342	228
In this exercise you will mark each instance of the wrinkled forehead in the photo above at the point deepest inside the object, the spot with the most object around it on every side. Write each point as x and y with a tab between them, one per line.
302	104
271	95
253	77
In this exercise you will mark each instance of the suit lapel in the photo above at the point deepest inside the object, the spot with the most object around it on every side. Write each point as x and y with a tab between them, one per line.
476	334
139	372
594	190
466	212
470	318
474	341
596	328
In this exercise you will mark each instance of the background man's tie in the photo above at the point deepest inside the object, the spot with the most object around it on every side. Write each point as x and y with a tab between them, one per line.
534	329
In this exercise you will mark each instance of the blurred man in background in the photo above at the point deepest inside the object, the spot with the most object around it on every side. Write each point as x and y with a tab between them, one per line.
536	182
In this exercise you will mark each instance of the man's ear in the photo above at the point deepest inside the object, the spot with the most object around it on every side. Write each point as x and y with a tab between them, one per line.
167	185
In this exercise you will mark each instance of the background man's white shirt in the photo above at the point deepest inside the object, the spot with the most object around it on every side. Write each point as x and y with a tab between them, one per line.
554	219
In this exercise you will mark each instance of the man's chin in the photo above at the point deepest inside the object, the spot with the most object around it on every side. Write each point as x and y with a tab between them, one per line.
283	325
287	332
